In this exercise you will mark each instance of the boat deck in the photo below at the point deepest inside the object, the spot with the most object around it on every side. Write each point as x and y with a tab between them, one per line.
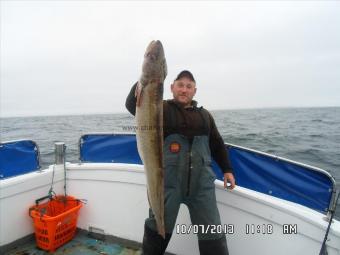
83	244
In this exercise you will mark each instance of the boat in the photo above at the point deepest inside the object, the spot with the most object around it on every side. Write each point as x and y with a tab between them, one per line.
278	207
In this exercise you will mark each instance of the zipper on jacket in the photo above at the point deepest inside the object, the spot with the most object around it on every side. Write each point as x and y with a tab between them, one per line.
190	167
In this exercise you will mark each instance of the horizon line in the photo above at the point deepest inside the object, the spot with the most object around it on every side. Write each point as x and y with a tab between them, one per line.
126	112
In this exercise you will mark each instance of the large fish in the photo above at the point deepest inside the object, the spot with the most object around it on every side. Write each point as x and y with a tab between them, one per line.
149	132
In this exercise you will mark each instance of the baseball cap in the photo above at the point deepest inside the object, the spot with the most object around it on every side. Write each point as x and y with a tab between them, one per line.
187	74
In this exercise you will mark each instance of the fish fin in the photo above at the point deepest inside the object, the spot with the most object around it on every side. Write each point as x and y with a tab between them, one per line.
147	192
138	94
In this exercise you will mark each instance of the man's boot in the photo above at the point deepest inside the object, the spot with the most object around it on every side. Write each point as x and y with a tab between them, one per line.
153	243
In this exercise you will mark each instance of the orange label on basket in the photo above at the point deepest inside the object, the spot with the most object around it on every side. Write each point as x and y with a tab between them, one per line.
175	147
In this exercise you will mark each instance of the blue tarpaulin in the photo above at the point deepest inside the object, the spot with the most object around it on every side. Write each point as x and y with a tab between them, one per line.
280	178
18	157
254	170
109	148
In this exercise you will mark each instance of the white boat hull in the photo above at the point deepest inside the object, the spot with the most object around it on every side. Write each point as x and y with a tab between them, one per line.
117	205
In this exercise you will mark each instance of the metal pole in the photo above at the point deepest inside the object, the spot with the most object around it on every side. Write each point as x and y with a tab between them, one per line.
60	151
323	250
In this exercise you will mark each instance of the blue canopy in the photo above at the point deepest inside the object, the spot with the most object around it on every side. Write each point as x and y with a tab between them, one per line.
18	157
254	170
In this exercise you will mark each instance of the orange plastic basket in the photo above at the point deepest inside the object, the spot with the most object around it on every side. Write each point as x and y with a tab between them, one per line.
55	221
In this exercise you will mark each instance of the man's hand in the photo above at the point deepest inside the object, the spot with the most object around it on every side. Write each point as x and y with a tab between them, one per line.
229	178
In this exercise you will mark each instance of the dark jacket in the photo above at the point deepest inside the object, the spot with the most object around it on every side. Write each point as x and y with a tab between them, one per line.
190	122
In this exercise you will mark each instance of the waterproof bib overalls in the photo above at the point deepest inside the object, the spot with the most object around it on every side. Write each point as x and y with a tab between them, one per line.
189	179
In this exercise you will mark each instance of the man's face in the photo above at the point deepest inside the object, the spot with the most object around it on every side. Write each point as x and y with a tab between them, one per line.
183	91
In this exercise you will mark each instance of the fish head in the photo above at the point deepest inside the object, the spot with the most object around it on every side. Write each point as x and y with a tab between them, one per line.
154	65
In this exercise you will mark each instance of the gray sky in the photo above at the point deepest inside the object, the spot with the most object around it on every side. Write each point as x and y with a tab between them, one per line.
70	57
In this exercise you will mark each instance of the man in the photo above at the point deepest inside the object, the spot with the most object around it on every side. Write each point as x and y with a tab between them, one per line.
190	139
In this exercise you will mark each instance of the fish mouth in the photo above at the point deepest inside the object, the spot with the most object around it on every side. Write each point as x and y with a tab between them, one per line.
157	42
154	65
154	50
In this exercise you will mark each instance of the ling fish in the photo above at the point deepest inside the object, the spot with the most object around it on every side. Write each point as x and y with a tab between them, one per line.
149	130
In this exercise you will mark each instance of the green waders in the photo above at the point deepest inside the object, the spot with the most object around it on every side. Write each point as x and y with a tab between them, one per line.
189	179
